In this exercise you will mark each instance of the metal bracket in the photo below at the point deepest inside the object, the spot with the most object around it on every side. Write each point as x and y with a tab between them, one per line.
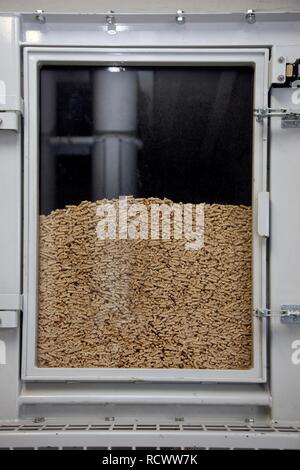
180	18
8	319
288	314
291	313
9	121
111	27
40	16
287	115
290	122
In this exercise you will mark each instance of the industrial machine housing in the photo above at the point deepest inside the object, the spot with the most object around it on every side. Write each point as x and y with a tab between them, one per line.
142	407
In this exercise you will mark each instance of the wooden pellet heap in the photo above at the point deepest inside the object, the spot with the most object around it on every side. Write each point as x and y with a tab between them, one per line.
145	303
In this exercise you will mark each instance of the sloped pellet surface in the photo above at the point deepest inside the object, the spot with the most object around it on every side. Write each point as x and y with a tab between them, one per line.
145	303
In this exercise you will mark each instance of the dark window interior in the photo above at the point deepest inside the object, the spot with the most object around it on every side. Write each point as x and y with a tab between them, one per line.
194	126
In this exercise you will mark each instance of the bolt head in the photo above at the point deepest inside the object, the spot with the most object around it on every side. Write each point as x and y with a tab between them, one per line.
280	78
41	18
180	18
281	59
249	420
250	17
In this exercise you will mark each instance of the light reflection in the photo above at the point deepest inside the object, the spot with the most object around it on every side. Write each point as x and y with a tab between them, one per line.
33	36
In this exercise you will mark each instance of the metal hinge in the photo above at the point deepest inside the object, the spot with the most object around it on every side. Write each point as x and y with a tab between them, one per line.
289	117
287	313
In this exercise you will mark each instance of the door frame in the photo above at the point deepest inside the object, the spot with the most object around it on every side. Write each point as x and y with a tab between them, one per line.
34	58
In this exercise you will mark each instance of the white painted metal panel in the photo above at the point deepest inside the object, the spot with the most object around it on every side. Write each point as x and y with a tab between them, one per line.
10	215
284	258
156	6
10	163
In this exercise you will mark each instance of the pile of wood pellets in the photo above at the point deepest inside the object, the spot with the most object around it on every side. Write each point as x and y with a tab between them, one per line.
145	303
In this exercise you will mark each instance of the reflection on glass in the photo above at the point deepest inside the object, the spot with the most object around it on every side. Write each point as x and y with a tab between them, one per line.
171	132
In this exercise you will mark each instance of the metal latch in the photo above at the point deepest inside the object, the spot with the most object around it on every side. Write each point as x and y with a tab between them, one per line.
287	314
289	117
263	214
9	121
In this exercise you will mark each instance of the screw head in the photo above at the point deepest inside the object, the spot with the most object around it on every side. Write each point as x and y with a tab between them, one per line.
281	78
281	59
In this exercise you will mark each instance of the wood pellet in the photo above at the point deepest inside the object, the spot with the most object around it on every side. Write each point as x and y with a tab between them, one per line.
145	303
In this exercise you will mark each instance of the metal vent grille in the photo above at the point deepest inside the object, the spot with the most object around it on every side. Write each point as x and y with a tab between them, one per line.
146	435
113	427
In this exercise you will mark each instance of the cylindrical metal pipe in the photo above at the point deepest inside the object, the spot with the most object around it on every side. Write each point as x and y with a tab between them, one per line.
115	125
48	123
115	101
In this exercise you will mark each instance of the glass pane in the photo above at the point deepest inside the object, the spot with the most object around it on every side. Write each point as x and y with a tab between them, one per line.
137	165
